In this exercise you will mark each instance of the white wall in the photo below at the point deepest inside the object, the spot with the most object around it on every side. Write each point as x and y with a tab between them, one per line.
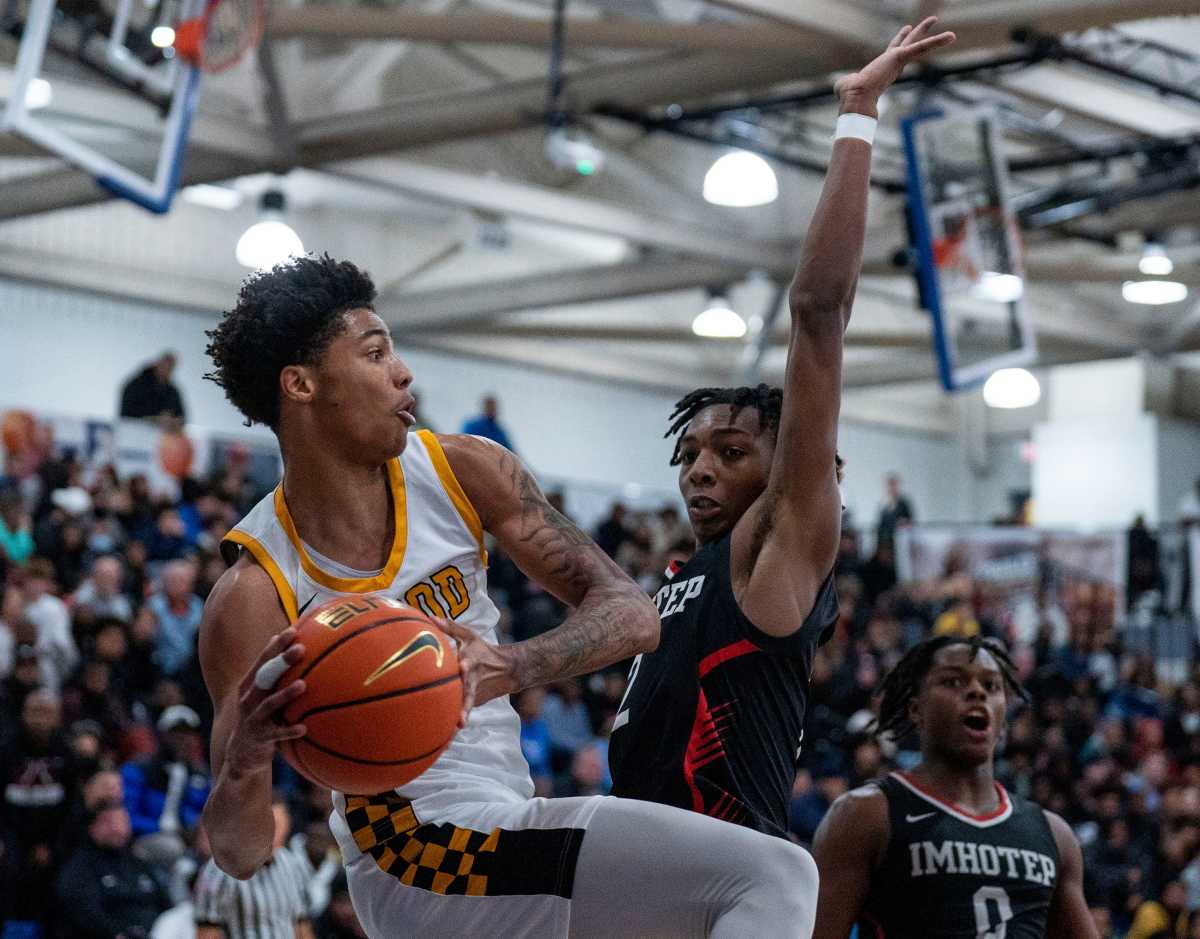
69	353
1096	473
1178	464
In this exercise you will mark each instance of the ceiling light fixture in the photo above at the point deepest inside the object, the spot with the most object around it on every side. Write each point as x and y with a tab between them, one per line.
1012	388
1003	288
162	36
1154	261
741	179
271	240
1154	292
719	320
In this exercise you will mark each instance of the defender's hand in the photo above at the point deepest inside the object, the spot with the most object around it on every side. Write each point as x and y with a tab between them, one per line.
485	669
860	91
256	731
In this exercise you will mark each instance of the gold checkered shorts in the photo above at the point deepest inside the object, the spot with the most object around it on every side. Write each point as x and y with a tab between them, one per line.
448	860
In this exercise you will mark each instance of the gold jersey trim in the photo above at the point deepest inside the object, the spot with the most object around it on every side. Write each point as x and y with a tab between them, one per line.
382	580
286	596
454	489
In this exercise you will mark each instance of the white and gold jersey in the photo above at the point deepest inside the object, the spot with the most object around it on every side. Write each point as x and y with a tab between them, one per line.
437	562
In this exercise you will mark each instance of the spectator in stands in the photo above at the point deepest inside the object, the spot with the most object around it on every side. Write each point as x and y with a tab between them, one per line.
167	540
37	783
588	774
165	793
487	424
274	902
151	393
104	890
567	721
26	677
91	696
177	610
318	853
896	511
809	805
535	738
1144	572
16	530
611	533
1164	916
51	621
340	921
102	593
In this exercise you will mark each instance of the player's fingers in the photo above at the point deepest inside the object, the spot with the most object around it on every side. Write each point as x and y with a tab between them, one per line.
460	634
920	31
467	674
279	642
288	732
272	705
268	674
918	49
899	37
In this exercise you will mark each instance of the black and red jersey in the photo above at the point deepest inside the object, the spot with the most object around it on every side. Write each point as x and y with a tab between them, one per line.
712	720
949	873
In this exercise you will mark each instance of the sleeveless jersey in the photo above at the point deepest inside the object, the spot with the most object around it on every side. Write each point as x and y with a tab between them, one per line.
712	719
437	562
948	874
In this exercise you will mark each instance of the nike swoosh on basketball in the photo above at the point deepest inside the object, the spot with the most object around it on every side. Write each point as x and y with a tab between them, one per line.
422	640
919	818
300	612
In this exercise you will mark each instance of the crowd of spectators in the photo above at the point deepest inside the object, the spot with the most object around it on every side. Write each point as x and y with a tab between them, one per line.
104	718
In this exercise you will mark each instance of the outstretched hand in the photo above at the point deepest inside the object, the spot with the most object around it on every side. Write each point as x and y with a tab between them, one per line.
860	90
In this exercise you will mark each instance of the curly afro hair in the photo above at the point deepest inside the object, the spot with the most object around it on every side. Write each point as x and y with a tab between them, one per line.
285	316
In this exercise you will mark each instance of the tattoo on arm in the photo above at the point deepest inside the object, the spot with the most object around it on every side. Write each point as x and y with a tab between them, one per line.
609	622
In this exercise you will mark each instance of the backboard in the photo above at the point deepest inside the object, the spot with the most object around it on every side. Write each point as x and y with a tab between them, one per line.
967	246
72	54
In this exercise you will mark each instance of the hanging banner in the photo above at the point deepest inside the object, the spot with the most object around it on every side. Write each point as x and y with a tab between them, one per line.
1018	578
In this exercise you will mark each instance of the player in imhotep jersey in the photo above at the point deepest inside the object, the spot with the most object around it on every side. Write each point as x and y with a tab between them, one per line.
944	851
367	506
712	720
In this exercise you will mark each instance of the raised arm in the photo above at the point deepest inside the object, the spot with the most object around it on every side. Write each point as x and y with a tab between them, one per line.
848	846
611	619
1069	915
784	546
243	627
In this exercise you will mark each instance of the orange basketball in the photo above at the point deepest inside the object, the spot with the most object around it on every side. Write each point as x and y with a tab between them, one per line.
382	694
175	454
16	430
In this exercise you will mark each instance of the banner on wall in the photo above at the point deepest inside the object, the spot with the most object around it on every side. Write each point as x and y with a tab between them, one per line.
1020	577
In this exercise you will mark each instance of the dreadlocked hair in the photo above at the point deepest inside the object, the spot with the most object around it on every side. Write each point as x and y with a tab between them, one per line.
766	400
903	683
763	398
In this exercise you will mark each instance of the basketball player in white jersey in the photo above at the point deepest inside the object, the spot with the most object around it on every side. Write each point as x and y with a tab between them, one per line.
365	506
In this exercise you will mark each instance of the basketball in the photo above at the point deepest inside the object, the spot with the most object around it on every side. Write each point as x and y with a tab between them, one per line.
382	695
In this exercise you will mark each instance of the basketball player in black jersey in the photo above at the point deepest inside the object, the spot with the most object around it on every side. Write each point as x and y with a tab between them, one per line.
712	719
944	851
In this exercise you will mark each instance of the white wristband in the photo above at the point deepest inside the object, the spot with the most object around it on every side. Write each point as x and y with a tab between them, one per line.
858	126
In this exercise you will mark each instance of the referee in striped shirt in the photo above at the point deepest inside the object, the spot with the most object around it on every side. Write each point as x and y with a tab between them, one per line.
273	904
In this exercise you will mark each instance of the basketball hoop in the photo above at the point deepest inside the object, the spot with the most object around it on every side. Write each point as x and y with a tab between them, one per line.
217	39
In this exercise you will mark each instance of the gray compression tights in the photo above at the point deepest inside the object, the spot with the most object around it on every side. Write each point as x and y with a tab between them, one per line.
650	871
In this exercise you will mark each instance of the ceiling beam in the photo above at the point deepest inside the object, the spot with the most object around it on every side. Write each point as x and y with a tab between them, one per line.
490	28
991	22
1105	100
474	304
849	26
538	203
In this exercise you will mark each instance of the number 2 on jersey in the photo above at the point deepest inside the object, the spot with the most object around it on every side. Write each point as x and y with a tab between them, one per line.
983	912
622	717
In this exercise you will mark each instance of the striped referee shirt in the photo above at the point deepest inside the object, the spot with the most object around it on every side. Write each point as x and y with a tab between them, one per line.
267	906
